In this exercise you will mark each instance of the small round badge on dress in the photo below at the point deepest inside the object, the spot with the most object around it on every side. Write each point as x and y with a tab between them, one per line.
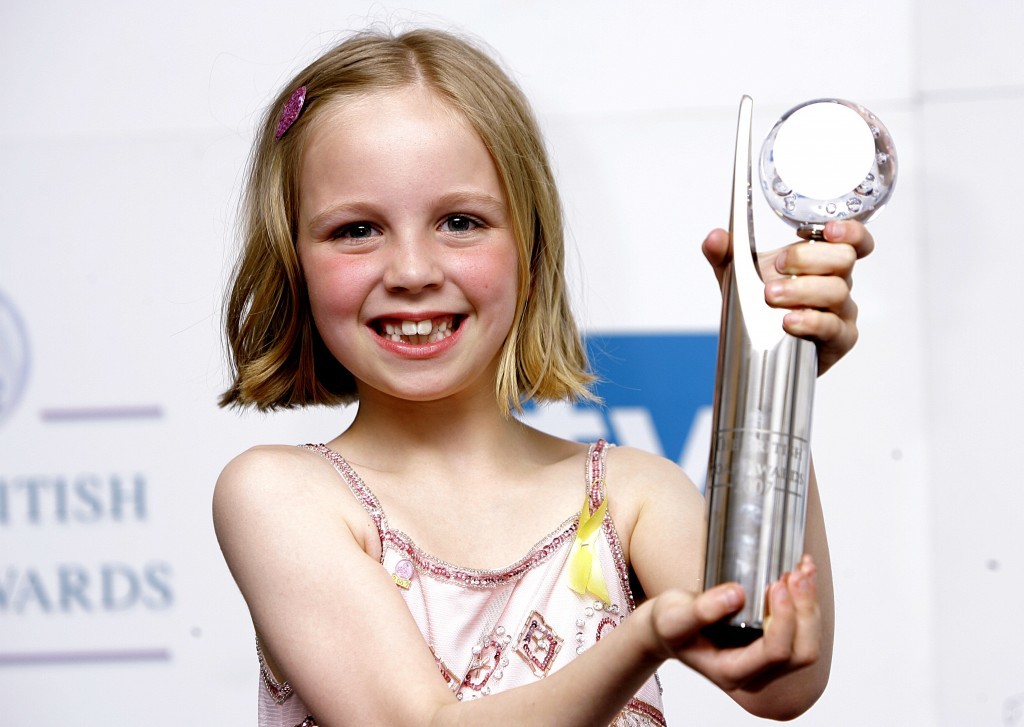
403	573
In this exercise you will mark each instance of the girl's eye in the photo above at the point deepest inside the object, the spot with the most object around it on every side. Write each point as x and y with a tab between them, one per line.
355	231
460	223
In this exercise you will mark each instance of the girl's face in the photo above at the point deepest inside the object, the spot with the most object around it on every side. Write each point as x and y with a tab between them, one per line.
405	242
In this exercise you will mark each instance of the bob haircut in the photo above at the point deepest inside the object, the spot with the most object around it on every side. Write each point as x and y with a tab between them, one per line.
277	356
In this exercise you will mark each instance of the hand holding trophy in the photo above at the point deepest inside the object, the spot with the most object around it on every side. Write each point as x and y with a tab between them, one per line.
824	160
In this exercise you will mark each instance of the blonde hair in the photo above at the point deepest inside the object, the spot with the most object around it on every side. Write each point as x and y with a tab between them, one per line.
278	357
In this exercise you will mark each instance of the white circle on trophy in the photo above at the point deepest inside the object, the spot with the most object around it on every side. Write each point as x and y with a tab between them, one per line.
827	159
823	150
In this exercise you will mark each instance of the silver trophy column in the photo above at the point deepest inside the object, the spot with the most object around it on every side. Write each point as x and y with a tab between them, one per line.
760	451
760	454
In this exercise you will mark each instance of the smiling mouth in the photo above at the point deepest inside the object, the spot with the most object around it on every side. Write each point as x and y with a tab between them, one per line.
430	330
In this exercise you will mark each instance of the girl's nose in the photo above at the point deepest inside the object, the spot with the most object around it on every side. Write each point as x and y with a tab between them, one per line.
414	265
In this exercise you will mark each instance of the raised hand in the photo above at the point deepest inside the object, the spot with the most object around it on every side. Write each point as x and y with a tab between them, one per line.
813	280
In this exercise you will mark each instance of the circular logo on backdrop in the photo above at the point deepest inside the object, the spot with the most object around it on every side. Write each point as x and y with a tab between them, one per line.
14	357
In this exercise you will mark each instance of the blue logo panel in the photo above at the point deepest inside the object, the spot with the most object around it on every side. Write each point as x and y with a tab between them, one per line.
671	377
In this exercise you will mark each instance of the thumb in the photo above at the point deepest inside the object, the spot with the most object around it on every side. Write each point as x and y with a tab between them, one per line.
678	617
716	250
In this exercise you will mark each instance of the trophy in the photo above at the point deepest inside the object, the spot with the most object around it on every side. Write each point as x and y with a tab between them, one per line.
824	160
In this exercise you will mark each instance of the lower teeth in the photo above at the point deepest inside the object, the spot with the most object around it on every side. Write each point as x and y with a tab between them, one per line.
418	339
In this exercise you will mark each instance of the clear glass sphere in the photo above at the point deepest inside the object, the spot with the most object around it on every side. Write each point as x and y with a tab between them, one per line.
827	159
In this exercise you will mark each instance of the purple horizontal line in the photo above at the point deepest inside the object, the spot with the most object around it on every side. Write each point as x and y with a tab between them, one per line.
50	658
107	413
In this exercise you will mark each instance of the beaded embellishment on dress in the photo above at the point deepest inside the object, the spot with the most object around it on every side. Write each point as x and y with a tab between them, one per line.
538	644
278	691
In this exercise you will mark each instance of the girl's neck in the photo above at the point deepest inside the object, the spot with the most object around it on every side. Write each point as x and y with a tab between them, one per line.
450	430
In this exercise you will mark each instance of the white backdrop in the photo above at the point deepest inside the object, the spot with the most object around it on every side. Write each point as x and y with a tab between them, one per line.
123	131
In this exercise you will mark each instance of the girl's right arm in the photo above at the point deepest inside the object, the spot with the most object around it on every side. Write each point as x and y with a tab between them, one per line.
336	628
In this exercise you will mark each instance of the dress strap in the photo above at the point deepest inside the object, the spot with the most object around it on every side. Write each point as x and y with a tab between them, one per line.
585	575
597	491
355	483
597	464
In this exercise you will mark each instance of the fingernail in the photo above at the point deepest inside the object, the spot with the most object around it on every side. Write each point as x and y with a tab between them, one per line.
775	289
833	231
780	261
732	597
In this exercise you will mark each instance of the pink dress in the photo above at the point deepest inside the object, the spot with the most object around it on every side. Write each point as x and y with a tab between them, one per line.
493	630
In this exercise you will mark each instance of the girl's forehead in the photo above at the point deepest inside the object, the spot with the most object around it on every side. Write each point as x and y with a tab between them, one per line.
392	140
392	127
412	98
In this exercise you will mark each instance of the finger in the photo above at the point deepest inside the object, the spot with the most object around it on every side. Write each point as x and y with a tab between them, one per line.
825	328
678	616
733	668
805	258
716	250
833	335
781	624
807	640
824	292
853	233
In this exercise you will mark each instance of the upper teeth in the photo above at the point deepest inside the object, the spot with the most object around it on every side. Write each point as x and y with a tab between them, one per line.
435	331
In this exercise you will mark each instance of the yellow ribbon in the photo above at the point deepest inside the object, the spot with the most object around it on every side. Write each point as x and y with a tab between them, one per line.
584	565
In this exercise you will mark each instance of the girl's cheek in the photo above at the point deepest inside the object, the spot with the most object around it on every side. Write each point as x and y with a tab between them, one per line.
335	287
496	271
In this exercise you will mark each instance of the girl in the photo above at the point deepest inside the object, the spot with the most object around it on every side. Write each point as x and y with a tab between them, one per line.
433	564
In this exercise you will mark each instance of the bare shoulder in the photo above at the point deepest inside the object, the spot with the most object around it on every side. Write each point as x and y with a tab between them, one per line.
646	479
265	470
280	492
264	475
660	511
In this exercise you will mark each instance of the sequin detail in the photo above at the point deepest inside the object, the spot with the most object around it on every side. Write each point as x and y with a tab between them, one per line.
605	626
608	617
597	466
450	680
486	664
538	644
279	691
471	578
639	714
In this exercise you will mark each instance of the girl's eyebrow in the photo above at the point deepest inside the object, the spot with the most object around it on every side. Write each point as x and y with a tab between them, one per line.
452	200
326	215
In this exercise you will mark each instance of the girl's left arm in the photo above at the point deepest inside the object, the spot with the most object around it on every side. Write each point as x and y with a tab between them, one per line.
778	676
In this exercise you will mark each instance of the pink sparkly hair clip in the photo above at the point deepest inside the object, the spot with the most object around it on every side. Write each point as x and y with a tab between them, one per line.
291	111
